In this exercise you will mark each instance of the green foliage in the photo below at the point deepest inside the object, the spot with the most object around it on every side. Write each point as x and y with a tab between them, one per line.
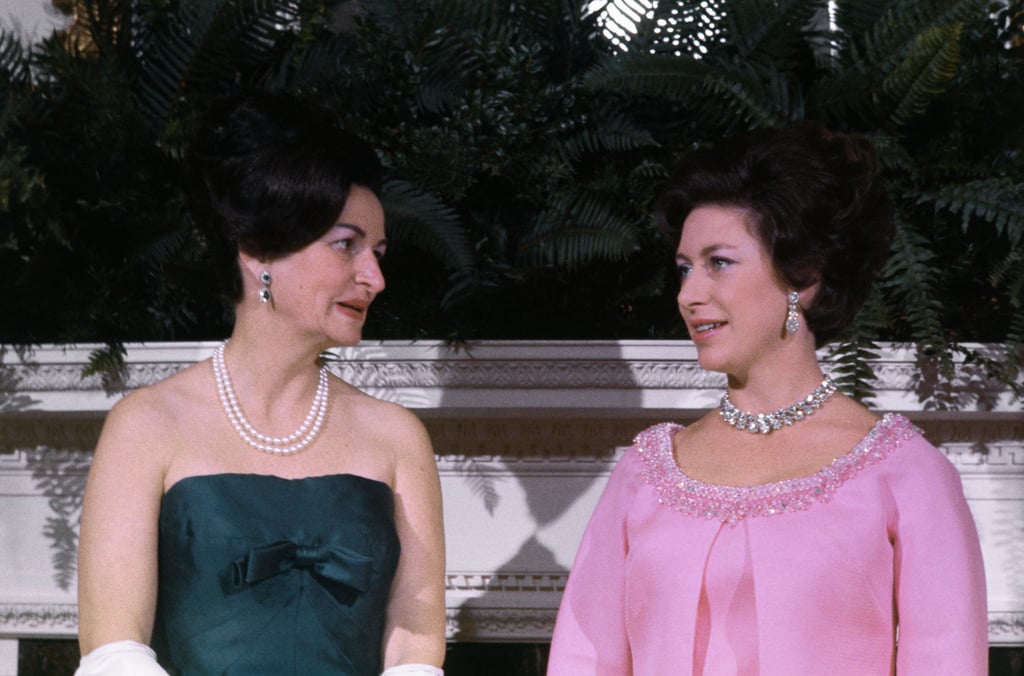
937	85
523	144
425	221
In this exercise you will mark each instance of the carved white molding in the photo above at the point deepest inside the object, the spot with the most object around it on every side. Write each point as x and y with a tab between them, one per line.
40	620
505	582
1006	628
491	374
522	625
526	434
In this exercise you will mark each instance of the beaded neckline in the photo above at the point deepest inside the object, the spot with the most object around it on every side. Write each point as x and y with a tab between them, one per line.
732	504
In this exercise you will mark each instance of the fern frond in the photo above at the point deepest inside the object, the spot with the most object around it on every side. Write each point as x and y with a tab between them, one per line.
899	29
445	68
577	230
999	201
648	172
729	90
108	363
772	31
852	368
208	44
757	96
14	62
423	220
166	247
910	281
930	64
853	356
659	75
612	132
20	182
306	68
168	50
1012	363
893	155
1009	274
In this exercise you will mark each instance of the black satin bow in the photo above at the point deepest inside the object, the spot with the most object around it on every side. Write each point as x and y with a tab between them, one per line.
330	565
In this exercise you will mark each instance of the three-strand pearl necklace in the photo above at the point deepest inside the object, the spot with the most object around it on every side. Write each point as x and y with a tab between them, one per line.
289	445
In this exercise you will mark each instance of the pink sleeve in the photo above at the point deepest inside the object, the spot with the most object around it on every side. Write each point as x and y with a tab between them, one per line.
590	633
940	579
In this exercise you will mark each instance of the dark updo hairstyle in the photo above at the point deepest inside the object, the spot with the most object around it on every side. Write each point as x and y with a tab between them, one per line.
268	174
816	201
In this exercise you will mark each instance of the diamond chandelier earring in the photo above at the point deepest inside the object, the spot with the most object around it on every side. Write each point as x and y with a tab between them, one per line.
265	280
792	320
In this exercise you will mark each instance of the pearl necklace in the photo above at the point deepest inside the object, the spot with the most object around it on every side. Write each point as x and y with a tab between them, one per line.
289	445
765	423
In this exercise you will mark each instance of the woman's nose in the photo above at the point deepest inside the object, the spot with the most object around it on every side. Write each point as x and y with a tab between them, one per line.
369	273
692	291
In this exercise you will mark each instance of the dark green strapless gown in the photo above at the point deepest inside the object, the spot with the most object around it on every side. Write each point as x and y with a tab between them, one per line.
264	575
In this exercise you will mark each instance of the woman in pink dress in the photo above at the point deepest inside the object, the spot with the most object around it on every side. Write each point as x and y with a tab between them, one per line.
791	530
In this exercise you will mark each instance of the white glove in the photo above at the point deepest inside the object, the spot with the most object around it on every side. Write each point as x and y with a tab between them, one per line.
120	658
413	670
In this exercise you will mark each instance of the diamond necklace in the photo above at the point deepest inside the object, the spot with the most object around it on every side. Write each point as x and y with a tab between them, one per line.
765	423
289	445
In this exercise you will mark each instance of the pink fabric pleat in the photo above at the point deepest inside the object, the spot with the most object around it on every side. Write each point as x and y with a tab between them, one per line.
727	634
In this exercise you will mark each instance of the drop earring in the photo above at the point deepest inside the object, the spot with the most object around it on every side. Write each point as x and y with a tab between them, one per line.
265	280
792	320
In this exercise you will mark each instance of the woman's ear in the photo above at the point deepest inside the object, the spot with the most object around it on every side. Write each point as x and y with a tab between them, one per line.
809	293
251	265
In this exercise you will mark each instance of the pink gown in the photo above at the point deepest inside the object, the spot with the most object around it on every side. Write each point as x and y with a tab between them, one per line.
808	576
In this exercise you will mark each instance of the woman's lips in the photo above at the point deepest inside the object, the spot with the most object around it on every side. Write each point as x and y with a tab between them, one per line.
352	310
703	330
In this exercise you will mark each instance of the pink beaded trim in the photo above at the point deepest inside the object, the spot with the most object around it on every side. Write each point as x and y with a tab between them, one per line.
731	504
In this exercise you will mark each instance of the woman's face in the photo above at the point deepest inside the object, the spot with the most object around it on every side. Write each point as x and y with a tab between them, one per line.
327	286
730	296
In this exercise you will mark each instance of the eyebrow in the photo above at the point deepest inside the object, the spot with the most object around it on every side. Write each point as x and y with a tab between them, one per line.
360	232
709	249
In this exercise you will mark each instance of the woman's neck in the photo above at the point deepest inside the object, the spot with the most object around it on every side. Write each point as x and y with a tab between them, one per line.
775	385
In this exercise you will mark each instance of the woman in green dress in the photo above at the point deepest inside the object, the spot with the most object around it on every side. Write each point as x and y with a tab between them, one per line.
253	513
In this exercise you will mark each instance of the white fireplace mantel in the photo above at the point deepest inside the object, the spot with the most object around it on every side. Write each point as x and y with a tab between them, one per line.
525	435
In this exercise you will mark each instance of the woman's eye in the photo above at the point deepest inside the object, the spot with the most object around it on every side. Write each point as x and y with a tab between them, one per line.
718	263
345	245
683	269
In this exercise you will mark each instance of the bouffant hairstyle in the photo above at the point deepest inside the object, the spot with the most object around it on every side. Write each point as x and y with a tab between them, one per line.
816	201
268	174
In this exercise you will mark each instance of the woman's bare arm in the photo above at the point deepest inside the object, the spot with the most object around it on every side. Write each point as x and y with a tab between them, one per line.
415	630
117	558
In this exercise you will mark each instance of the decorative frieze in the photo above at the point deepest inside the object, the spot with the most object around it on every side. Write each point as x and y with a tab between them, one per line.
526	435
521	625
38	619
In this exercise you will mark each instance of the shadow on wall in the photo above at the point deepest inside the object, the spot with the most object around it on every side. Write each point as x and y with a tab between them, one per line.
56	454
523	488
60	475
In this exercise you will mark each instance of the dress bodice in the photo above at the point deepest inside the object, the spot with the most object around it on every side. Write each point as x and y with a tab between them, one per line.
811	575
264	575
732	504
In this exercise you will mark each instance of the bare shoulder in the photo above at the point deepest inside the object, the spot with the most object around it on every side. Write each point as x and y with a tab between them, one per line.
386	423
150	419
694	432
